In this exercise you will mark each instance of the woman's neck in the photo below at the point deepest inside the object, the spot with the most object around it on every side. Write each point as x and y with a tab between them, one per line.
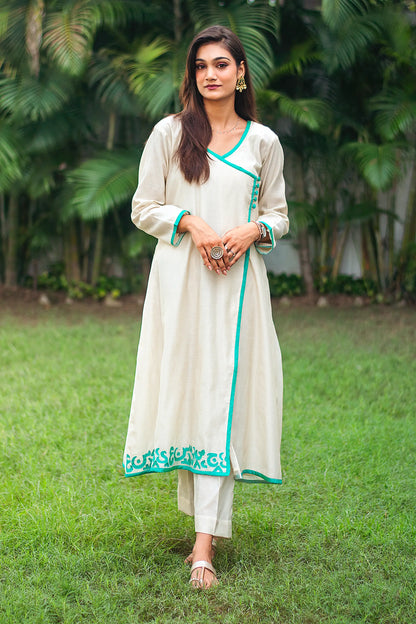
221	116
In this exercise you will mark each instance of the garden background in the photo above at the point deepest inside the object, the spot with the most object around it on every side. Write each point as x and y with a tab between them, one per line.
83	81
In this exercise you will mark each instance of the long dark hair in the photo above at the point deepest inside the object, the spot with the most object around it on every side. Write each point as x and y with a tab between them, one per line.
196	130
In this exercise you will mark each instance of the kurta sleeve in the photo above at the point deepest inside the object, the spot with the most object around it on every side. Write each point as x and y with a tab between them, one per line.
272	201
150	213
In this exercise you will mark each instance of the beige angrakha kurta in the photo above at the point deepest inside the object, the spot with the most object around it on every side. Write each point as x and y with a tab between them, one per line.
208	386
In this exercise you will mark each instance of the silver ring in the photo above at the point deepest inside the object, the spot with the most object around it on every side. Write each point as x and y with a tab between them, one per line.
232	253
216	253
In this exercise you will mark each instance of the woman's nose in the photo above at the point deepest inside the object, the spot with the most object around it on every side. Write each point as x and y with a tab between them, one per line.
211	72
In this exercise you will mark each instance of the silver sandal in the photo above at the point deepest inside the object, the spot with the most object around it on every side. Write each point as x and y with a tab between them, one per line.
198	581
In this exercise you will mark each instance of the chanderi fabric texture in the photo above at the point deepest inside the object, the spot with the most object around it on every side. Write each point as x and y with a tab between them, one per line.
208	386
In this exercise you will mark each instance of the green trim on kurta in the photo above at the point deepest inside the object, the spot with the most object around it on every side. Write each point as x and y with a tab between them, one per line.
187	458
175	227
237	335
263	478
230	164
265	248
236	353
243	136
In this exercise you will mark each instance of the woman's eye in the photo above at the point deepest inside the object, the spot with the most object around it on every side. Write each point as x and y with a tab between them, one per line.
200	67
222	65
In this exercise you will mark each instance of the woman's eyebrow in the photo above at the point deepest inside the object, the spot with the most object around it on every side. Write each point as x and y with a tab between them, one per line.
218	58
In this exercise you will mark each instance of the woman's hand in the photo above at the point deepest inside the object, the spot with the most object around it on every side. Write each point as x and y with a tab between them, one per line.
205	238
239	239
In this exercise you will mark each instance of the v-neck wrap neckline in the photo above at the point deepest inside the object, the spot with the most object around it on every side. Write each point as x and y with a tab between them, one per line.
235	148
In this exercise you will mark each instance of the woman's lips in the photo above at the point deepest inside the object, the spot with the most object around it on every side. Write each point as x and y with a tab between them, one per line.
212	87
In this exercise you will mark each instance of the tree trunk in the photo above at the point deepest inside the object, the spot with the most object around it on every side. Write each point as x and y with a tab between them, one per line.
98	251
72	268
409	233
177	20
340	252
391	222
34	18
303	238
11	244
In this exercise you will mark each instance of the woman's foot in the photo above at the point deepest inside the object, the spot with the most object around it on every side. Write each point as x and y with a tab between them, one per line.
203	574
190	558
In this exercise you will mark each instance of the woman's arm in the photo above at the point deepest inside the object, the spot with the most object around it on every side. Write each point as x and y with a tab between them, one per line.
272	206
150	213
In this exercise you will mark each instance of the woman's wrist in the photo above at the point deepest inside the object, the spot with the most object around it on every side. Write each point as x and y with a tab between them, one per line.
185	223
255	230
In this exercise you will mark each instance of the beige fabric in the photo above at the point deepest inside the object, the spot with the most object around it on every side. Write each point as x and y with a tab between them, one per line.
209	499
208	369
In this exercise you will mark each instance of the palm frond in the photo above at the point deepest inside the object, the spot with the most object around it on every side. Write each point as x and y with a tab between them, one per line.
259	16
301	56
57	131
108	76
349	42
148	60
378	164
395	113
26	97
12	31
361	212
153	75
336	12
302	215
12	156
68	36
159	94
259	55
101	184
39	176
312	113
119	12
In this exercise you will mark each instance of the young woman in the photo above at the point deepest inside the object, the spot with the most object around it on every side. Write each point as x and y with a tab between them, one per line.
207	398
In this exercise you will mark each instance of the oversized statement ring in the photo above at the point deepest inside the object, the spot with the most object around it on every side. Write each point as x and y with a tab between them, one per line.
216	252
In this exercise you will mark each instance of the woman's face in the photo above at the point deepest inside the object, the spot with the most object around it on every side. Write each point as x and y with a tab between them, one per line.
216	72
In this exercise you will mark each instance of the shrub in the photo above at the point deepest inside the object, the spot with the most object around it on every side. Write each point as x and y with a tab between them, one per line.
283	284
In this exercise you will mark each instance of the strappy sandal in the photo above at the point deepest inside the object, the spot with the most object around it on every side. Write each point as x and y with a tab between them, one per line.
189	558
198	581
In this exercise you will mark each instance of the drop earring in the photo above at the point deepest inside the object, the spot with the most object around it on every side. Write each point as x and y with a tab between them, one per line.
241	84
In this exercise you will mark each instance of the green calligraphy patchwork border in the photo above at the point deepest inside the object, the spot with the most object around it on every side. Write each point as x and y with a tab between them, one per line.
188	458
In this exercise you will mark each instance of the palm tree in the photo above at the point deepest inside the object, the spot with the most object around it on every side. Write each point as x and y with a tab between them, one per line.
40	89
341	54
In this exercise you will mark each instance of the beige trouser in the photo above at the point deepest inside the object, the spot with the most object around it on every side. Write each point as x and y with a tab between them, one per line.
209	499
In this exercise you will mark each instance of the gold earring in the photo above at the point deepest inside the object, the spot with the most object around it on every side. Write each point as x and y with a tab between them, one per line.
241	84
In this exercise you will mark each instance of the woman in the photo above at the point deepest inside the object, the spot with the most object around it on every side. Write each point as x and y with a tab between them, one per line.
207	398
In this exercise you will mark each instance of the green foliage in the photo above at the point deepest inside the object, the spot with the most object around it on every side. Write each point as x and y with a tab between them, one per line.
102	183
346	285
405	277
313	113
379	164
395	112
285	285
336	12
55	280
11	156
30	98
292	285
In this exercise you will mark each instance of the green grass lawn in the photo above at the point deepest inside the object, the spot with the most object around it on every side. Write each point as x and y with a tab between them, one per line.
334	544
